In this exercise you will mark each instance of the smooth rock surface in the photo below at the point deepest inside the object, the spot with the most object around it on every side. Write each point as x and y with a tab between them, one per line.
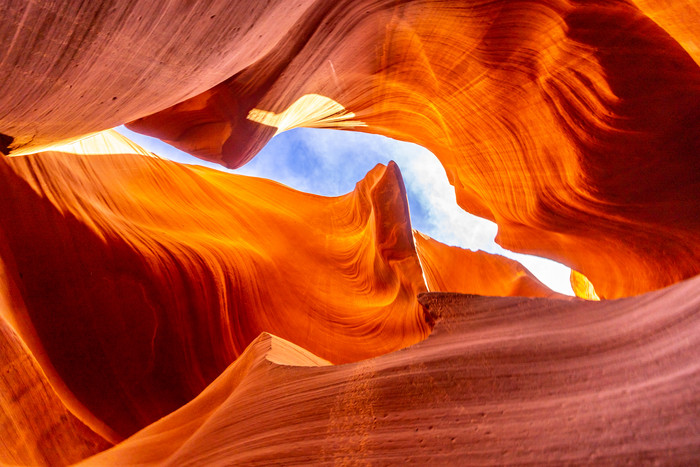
499	381
137	281
214	319
453	269
572	125
35	426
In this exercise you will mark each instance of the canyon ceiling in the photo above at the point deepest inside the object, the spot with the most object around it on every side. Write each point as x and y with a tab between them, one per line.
159	313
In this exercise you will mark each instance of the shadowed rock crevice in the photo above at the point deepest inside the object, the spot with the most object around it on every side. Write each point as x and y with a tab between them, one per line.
5	143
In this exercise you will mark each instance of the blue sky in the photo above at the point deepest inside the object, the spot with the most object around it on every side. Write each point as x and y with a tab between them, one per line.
330	162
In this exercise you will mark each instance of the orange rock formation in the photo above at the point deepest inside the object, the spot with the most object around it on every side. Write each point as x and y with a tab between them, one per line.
454	269
206	313
155	276
500	380
582	287
571	125
35	426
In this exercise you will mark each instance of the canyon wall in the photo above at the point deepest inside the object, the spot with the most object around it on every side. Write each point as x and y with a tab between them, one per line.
165	313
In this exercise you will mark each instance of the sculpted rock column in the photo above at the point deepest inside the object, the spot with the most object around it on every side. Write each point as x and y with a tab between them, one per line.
140	280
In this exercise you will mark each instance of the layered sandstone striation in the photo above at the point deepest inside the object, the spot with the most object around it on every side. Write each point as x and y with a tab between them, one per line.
129	283
73	68
36	428
573	125
212	318
500	380
140	280
453	269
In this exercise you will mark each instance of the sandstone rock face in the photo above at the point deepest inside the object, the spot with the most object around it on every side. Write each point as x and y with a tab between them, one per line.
500	380
141	279
35	426
134	282
571	125
173	314
454	269
73	68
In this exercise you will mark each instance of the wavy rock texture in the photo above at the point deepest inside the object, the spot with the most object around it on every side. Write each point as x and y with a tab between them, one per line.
573	125
35	426
500	380
73	68
208	310
140	280
453	269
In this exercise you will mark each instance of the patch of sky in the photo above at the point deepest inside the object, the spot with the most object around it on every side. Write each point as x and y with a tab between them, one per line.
330	162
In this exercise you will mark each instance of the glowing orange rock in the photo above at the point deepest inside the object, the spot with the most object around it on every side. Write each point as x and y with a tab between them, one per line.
574	127
141	279
679	19
582	287
507	380
454	269
129	283
35	426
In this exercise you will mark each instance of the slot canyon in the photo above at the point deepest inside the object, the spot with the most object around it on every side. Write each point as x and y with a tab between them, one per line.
154	312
